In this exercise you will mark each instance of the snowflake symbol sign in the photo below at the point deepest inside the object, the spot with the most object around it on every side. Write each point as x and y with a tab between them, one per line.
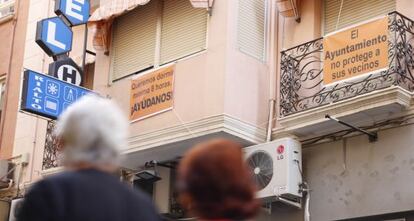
52	89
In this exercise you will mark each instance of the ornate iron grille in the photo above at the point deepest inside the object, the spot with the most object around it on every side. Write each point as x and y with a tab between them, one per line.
51	153
301	84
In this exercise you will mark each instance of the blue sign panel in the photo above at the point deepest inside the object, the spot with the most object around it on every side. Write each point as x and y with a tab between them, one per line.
75	11
47	96
54	36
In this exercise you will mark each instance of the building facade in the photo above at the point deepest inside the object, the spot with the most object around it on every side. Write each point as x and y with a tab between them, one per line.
350	177
13	25
246	70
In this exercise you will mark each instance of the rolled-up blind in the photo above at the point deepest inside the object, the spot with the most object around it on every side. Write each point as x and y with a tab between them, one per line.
183	30
134	39
251	27
354	11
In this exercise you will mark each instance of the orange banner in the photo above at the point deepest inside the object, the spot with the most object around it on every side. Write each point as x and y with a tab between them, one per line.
152	93
355	51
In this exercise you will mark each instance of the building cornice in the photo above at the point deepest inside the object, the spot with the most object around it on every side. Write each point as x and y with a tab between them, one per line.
392	96
198	128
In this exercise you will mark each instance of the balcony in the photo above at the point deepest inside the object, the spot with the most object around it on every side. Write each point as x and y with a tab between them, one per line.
304	99
51	153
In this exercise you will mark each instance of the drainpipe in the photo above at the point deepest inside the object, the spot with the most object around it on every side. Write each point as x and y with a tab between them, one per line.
273	52
270	123
6	94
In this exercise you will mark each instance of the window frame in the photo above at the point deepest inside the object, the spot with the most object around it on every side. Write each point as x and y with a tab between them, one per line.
2	92
266	32
7	4
157	54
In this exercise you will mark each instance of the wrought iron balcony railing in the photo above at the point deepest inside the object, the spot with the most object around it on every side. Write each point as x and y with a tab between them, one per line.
51	153
301	84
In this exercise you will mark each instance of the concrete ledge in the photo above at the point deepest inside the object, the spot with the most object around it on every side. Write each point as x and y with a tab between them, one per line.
51	171
360	110
202	127
172	142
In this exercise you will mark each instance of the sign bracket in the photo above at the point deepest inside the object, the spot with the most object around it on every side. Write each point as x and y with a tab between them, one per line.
372	136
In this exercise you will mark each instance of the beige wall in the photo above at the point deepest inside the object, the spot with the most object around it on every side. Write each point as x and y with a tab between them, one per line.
405	7
6	33
246	78
378	178
216	81
15	48
293	33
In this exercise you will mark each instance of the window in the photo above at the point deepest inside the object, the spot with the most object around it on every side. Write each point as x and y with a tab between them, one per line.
6	8
88	75
2	92
154	34
252	28
353	11
183	30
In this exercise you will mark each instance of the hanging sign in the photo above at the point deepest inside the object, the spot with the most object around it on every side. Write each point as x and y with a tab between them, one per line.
152	93
355	51
66	70
54	36
47	96
75	11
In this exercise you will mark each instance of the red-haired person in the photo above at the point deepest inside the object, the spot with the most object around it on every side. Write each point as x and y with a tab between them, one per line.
215	184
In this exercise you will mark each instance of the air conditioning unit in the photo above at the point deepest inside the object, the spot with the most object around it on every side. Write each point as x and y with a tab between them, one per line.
276	167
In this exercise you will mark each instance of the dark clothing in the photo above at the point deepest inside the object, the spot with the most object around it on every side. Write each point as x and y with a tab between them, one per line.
86	195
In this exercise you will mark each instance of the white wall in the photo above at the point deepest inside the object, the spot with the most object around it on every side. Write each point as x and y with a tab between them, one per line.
378	180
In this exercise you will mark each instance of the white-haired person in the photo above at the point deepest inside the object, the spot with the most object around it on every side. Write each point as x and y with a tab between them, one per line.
91	132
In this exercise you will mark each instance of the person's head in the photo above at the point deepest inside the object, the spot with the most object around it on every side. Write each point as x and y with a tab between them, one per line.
91	132
215	183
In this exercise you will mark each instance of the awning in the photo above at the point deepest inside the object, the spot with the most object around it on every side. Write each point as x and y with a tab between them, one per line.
101	20
289	8
115	8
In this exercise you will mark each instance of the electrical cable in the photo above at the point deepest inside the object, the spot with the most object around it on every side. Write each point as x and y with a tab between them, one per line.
339	15
344	146
183	124
305	189
307	205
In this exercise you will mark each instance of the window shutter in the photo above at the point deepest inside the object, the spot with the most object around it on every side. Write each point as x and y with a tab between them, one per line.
134	37
183	30
251	27
354	11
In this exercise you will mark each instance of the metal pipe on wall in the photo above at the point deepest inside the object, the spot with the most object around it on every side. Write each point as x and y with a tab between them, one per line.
272	66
